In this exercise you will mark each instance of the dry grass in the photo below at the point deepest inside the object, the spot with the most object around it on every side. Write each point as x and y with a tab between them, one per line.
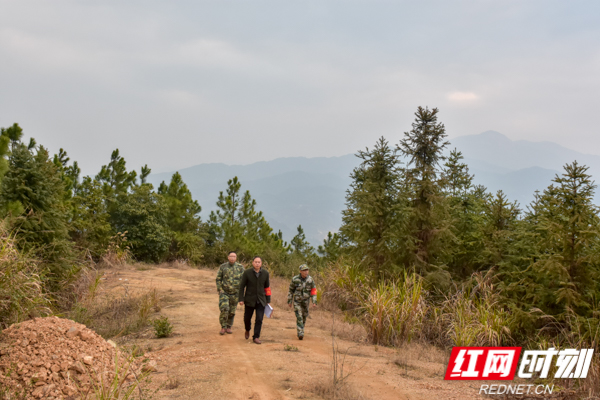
279	291
172	383
326	390
471	317
117	254
579	333
414	358
115	312
396	312
392	312
176	264
128	381
419	352
21	292
337	386
346	327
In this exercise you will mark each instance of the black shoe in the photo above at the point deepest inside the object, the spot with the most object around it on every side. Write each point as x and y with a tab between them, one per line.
300	337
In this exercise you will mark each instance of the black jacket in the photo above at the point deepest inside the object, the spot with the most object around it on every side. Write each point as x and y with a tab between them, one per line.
256	289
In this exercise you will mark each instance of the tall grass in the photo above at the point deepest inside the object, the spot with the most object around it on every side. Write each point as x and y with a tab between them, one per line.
393	312
575	332
21	291
343	286
473	316
397	311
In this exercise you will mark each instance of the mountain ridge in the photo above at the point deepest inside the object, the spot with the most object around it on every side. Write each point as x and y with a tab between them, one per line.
311	192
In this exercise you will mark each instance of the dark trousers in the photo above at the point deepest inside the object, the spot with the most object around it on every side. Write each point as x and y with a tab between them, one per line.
260	313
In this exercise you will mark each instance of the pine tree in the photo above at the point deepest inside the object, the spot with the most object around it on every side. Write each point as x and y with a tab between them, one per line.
301	246
372	223
331	249
69	173
430	220
499	230
14	134
32	197
145	171
114	176
237	225
143	214
467	212
183	209
224	222
183	220
455	177
568	264
90	226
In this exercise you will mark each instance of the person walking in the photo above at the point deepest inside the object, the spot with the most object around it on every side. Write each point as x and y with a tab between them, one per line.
302	290
228	283
255	295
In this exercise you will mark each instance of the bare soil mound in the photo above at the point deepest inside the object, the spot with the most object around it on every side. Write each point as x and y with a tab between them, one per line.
55	358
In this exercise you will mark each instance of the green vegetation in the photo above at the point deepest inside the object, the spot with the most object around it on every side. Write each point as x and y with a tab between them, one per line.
60	223
422	253
162	327
289	347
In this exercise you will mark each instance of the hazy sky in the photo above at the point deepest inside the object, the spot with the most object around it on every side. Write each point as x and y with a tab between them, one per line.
179	83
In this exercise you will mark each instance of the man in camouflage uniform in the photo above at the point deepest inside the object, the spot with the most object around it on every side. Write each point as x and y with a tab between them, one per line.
302	290
228	283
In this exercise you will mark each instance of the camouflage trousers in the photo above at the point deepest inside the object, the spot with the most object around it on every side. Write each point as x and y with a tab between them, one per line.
227	306
301	310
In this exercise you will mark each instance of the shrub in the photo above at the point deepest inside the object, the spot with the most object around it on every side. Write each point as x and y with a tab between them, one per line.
162	327
21	293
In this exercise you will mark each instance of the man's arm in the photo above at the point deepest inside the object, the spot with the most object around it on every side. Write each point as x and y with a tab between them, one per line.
268	289
313	292
242	287
291	291
220	280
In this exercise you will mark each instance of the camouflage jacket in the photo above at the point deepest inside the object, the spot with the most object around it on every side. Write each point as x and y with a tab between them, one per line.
228	277
302	289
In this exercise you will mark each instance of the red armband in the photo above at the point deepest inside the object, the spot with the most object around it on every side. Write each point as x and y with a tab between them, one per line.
268	291
313	291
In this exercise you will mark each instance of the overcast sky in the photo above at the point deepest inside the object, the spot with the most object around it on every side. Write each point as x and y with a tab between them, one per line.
179	83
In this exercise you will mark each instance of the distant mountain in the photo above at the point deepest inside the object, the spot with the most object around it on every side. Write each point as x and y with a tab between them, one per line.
518	167
290	191
311	191
494	148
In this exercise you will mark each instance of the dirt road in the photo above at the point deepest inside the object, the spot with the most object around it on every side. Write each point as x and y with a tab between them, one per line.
198	363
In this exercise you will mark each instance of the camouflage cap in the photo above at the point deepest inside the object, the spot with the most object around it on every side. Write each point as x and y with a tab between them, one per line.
303	267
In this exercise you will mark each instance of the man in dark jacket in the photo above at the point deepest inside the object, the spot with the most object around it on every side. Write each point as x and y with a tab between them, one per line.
255	294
